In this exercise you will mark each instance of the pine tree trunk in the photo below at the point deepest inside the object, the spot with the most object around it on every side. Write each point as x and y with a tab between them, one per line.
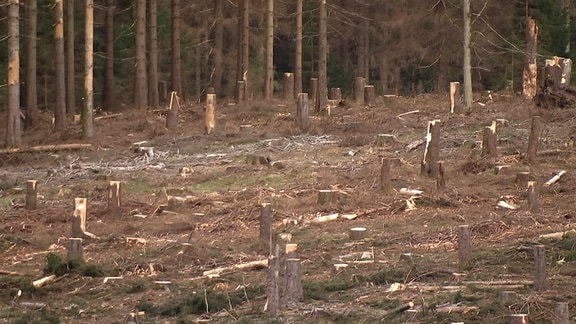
322	100
109	69
176	56
69	39
153	55
13	129
218	46
298	56
467	65
269	78
88	108
60	104
246	47
31	66
140	91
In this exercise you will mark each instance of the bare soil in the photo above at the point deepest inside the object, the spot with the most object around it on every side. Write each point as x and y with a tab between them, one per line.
160	249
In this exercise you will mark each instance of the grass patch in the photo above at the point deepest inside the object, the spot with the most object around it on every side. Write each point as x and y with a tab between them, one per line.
137	286
135	186
56	265
321	290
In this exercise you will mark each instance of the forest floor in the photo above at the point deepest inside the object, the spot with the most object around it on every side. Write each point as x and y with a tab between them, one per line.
159	250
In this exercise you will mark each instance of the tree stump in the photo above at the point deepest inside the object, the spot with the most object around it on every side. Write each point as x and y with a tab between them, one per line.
385	181
357	233
519	319
293	291
534	139
326	197
209	121
464	246
440	177
561	313
290	250
335	94
288	86
369	95
313	90
115	199
532	197
272	292
539	268
75	249
432	150
489	141
266	226
31	195
455	98
240	91
173	111
359	84
302	112
79	219
522	178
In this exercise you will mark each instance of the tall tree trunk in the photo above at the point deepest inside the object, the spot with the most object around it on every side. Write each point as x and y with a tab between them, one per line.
140	91
298	56
246	47
269	78
565	5
153	55
109	68
366	41
60	105
467	65
218	45
13	129
31	67
176	55
69	38
322	100
88	107
530	73
239	30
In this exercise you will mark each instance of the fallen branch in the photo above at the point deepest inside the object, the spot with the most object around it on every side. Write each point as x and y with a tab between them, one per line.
554	179
47	148
557	235
242	266
456	309
10	273
408	113
108	116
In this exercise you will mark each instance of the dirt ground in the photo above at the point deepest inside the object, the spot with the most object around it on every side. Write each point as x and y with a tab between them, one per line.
159	249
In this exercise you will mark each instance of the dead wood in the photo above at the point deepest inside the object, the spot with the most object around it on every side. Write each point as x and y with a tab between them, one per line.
47	148
258	264
43	281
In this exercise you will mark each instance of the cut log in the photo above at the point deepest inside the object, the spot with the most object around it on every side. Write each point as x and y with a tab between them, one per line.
108	116
554	179
47	148
258	264
43	281
489	141
557	235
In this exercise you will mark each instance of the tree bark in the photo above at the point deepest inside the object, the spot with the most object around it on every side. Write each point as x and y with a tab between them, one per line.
322	100
218	46
60	104
109	65
467	65
13	129
298	56
530	74
70	73
88	108
31	66
140	84
153	96
176	56
269	78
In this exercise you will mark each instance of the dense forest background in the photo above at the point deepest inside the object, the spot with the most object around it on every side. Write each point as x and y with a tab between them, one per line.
403	47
